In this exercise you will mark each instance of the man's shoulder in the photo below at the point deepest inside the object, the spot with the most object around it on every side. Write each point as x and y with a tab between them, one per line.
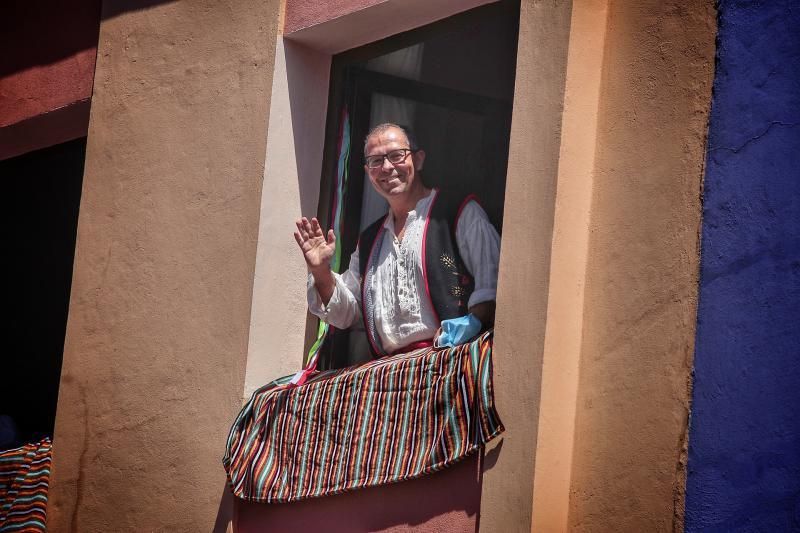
450	205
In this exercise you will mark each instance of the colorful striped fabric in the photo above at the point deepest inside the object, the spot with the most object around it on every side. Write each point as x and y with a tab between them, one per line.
24	479
387	420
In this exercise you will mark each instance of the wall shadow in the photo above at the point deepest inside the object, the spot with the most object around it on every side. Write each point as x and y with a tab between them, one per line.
225	511
42	32
307	77
45	31
444	501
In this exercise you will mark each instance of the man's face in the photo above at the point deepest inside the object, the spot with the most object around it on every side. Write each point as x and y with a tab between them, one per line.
394	180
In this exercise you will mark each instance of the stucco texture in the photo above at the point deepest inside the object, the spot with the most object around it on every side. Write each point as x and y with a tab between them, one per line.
46	72
157	332
48	59
338	25
562	349
522	286
744	465
304	13
642	267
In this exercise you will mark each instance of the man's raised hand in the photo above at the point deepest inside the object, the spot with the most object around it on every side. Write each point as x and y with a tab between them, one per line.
317	249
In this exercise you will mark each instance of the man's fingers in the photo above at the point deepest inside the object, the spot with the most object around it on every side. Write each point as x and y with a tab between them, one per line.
299	239
309	229
315	227
331	237
301	229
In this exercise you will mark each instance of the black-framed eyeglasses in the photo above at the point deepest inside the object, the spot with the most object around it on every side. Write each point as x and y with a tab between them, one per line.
395	157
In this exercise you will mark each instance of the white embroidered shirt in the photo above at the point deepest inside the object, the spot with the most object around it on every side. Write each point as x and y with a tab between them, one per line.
403	312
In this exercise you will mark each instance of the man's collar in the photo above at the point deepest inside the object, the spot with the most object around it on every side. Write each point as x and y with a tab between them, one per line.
422	203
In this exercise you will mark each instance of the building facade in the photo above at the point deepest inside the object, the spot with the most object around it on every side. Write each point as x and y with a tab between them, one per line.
648	282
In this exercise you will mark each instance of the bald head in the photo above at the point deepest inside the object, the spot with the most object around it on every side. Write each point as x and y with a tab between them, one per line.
411	139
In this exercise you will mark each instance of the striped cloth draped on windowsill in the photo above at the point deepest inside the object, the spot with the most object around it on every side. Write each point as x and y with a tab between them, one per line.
388	420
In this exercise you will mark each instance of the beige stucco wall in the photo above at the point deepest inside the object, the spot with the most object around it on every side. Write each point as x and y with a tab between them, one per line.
597	279
599	266
562	350
291	189
159	316
641	276
523	280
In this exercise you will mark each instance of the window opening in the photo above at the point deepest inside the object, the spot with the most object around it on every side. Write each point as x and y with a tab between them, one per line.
452	82
45	186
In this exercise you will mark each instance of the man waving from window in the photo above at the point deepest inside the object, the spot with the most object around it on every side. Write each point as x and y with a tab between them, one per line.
431	262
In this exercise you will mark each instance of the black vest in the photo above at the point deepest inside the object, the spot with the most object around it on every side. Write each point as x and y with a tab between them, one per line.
448	282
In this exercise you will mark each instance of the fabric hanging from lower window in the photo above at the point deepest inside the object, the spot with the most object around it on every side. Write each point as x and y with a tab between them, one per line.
24	481
388	420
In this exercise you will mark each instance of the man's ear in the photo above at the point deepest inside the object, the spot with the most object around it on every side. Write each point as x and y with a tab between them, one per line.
419	159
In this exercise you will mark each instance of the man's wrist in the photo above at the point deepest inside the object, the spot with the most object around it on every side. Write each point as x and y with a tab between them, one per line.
321	273
325	284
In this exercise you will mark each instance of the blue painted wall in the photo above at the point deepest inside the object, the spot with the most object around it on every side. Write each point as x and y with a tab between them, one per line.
744	444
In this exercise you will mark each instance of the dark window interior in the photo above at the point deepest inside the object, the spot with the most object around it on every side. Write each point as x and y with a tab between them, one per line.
41	216
453	83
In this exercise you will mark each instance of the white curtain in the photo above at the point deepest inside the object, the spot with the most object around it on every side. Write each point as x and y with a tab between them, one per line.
404	63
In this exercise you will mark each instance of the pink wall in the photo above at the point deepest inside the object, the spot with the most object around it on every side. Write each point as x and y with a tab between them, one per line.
40	89
304	13
447	501
340	25
47	66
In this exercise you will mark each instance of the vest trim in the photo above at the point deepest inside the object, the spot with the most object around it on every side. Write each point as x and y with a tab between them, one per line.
453	281
424	257
468	199
371	330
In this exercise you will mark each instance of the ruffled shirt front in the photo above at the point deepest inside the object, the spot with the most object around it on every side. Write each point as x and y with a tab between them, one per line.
403	312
